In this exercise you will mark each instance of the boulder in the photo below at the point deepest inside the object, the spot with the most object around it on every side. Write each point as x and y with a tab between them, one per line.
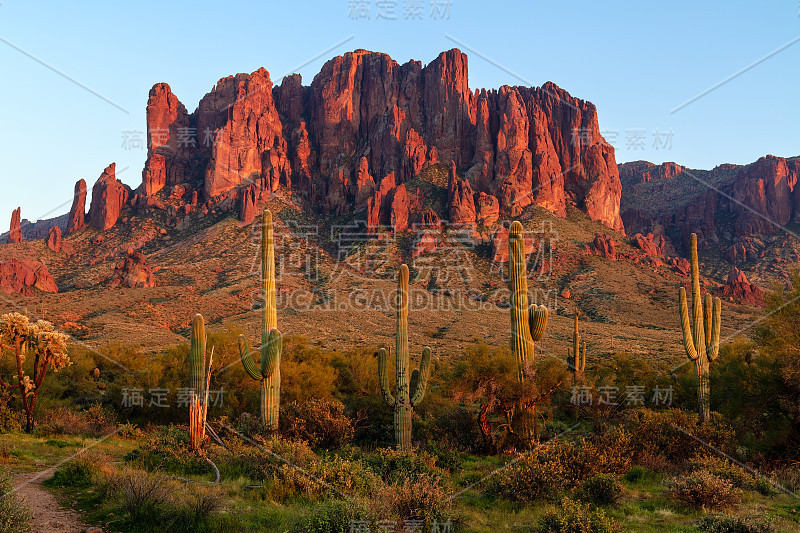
25	277
133	272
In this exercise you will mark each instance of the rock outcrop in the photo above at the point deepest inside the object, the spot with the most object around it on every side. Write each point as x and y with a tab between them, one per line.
133	272
604	246
740	290
25	277
643	171
650	244
108	198
461	200
171	140
77	213
54	239
15	231
364	116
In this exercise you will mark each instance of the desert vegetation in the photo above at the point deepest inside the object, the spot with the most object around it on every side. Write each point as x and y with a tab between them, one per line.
490	435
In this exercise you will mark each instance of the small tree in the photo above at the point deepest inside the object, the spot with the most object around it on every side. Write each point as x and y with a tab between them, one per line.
48	347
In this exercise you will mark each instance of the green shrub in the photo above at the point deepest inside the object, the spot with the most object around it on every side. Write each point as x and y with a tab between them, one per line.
329	516
575	517
638	474
166	449
556	466
80	472
733	524
9	417
320	422
701	489
15	517
392	465
422	497
95	421
737	476
602	489
658	433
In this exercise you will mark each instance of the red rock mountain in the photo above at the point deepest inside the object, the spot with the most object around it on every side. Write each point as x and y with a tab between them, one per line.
364	118
726	206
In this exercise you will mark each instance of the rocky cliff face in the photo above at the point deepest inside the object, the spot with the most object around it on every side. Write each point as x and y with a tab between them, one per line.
365	117
725	206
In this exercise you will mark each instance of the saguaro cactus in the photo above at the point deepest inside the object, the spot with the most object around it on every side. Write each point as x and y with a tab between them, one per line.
198	381
703	346
576	360
269	373
408	392
527	322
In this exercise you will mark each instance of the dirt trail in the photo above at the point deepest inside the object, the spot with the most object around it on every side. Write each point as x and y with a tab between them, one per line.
48	515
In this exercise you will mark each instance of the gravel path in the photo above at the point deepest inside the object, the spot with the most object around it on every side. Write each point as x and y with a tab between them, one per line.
48	515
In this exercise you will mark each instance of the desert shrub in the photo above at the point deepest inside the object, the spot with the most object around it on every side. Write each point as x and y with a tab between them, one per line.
152	502
540	475
288	469
749	392
733	524
788	476
602	489
80	472
421	497
657	433
166	448
575	517
739	477
701	489
9	416
140	494
556	466
129	431
194	510
638	474
392	465
444	457
329	516
657	463
320	422
15	517
95	421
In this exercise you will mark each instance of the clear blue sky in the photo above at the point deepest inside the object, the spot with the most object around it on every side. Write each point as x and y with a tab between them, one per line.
637	61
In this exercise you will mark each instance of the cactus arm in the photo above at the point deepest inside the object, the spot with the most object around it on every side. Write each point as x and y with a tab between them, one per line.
713	347
197	354
419	378
383	377
688	343
271	348
570	360
583	358
247	359
537	321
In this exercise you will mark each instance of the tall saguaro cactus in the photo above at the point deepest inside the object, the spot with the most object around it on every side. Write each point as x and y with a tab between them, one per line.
199	379
700	339
409	392
528	323
269	373
576	360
